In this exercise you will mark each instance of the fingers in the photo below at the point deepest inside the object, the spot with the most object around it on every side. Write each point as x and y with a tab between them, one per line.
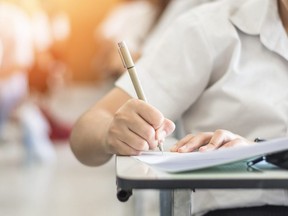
121	148
157	127
207	141
121	140
141	129
219	138
130	130
165	129
192	142
237	142
137	126
150	114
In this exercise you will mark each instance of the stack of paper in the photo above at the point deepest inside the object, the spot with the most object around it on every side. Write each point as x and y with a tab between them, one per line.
180	162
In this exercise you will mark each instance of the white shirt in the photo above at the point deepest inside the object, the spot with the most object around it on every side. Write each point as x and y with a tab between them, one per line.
171	12
222	65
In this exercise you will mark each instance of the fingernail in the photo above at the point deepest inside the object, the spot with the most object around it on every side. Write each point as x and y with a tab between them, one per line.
203	148
206	148
183	148
154	144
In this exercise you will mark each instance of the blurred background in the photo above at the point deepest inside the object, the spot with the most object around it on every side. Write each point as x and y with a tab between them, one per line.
57	58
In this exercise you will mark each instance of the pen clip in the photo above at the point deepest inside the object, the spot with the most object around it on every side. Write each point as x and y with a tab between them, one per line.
122	59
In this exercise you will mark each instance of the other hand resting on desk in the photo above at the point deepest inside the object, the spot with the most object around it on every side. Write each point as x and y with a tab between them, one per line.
206	141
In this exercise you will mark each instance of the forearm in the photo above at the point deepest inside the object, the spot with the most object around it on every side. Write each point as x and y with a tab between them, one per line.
88	138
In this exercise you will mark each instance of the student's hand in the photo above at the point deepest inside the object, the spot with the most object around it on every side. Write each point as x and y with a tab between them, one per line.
206	141
136	127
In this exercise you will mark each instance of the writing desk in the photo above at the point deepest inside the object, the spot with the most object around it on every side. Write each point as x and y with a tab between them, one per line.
133	174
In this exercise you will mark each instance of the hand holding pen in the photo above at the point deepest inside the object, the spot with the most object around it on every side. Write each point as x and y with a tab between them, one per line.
129	65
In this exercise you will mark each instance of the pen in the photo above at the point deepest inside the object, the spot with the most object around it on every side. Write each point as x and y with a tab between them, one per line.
255	161
129	65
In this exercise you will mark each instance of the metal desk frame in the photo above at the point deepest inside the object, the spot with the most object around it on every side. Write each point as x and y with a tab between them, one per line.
132	174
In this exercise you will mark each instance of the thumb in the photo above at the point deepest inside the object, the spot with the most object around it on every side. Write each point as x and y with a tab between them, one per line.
165	129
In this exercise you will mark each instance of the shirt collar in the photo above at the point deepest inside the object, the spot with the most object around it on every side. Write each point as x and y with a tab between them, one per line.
260	17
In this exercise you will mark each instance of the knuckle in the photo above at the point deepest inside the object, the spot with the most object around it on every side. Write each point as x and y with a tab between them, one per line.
127	152
120	118
112	131
133	102
156	118
149	133
160	118
199	134
238	139
189	136
117	116
142	145
220	131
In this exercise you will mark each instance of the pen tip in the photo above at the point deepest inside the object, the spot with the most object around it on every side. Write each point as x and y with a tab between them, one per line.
160	146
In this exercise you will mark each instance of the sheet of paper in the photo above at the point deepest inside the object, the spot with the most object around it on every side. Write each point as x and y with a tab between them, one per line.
179	162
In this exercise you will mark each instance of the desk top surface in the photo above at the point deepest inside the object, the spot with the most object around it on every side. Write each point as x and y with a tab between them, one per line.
134	174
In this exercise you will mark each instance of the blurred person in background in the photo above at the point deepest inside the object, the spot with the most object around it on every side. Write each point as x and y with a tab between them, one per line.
49	72
140	23
18	58
1	52
131	20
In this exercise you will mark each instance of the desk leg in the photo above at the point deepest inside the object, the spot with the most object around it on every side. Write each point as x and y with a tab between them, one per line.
175	202
166	200
138	199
